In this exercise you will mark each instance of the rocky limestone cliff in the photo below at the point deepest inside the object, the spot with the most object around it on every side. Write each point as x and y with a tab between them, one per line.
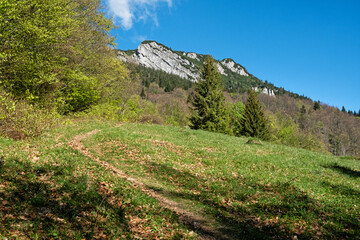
264	90
159	57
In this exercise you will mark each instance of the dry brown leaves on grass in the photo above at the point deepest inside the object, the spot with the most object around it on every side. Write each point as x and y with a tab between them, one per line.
168	146
195	221
119	147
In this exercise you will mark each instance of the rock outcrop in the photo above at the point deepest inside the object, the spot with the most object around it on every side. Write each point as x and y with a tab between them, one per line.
184	64
157	56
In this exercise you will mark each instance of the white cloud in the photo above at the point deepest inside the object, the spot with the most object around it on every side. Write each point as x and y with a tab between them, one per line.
129	11
139	38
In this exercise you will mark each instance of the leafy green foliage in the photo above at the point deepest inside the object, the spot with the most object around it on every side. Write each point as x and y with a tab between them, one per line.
19	120
209	111
57	53
79	94
237	116
285	131
254	122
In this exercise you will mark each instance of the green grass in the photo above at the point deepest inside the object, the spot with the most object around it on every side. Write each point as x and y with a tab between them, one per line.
50	191
256	190
253	191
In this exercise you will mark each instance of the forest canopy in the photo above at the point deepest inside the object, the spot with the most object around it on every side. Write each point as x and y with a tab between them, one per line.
57	52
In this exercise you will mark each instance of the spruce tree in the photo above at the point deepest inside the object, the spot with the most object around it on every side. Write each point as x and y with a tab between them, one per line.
254	123
209	111
317	105
302	117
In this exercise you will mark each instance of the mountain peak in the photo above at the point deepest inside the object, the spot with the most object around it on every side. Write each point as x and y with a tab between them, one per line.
184	64
187	65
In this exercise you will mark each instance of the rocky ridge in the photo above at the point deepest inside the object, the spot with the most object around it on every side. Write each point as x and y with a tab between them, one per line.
159	57
183	64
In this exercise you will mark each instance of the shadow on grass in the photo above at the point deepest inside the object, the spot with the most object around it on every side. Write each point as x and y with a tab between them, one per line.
344	170
341	189
292	213
66	208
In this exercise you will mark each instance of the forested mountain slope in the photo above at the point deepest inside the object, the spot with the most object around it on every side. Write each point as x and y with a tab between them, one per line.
186	65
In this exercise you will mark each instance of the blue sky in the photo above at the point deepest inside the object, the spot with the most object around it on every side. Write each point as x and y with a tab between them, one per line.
308	47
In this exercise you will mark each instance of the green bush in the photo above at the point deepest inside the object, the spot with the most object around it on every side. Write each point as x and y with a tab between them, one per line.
237	116
78	94
19	120
136	108
109	110
285	131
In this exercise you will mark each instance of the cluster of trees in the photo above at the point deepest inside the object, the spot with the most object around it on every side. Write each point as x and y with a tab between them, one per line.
311	125
56	56
209	111
166	81
57	53
283	119
352	113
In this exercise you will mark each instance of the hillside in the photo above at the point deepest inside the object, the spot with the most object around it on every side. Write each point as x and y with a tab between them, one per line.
186	65
99	180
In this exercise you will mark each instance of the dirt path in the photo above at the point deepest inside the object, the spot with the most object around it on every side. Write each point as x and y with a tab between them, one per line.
200	224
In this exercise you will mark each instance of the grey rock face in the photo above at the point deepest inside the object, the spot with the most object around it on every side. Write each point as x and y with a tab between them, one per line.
264	91
221	69
193	56
232	66
159	57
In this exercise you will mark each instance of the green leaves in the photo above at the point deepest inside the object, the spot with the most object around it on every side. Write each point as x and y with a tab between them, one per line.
56	51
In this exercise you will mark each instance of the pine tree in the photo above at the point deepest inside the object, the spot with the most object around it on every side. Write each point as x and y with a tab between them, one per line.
209	111
317	105
254	123
142	94
302	117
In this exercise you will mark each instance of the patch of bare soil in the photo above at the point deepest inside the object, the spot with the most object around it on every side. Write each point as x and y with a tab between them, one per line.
203	226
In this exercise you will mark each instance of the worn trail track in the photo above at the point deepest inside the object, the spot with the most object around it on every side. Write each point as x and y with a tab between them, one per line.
202	225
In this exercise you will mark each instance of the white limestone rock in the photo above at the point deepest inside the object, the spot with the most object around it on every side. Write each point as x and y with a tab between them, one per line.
265	90
221	69
122	56
232	66
193	56
156	56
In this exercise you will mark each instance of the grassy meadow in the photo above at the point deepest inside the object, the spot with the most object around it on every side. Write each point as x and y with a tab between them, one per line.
246	189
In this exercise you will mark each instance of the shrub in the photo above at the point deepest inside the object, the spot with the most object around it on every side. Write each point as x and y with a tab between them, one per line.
134	109
19	120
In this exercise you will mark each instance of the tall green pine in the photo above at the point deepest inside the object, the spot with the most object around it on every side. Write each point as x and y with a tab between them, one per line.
209	111
254	122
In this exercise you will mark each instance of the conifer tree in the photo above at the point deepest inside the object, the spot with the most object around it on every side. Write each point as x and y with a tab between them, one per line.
302	117
317	105
254	123
209	111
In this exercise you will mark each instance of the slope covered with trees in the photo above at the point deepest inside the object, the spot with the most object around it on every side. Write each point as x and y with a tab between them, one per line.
57	52
57	56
